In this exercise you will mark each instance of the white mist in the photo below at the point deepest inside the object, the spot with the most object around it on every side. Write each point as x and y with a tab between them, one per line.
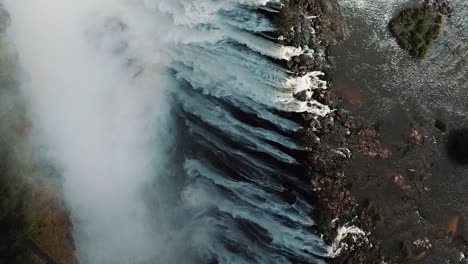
96	95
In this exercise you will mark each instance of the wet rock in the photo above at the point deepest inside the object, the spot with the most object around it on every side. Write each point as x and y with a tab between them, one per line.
303	64
307	138
326	97
400	181
416	136
422	243
303	96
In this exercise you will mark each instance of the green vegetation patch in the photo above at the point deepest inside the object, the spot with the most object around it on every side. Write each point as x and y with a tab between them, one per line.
416	29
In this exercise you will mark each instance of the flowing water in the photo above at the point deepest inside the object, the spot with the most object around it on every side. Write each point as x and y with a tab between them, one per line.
371	61
164	117
396	91
400	89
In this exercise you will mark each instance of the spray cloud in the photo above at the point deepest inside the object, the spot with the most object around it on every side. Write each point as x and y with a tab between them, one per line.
95	86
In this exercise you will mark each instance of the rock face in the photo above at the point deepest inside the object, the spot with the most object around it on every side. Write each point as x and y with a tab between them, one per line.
35	226
303	64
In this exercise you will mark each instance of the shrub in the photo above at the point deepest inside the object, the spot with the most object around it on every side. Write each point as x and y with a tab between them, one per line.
416	29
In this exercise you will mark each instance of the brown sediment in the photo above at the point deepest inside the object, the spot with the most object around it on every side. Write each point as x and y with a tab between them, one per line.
351	97
452	225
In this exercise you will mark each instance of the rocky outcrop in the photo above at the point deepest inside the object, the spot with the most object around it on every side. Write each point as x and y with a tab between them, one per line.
310	24
35	225
334	139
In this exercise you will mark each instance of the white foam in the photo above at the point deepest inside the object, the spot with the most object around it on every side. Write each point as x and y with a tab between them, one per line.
338	245
309	81
263	46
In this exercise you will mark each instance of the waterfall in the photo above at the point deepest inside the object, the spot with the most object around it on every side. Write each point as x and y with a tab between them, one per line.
166	120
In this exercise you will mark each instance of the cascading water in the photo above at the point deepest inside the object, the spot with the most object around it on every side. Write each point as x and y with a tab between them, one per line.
164	117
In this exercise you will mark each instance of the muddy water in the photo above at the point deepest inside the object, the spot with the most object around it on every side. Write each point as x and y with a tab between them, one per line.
381	84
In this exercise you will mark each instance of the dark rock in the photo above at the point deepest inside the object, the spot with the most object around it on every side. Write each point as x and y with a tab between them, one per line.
406	250
457	145
440	125
302	64
314	23
302	96
289	196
